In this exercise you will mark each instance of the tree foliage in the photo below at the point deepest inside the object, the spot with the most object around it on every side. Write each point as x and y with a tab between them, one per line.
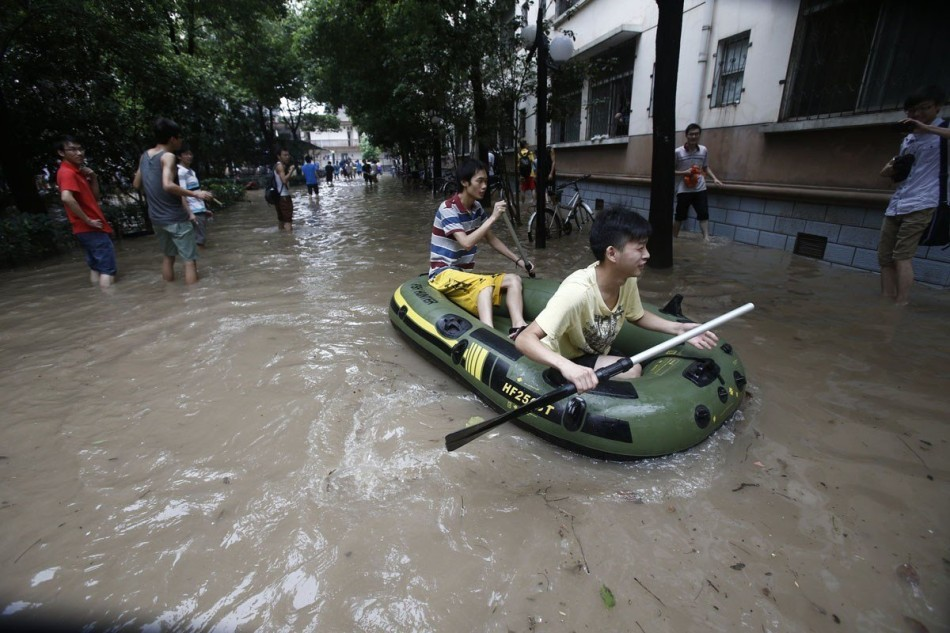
395	64
231	71
104	69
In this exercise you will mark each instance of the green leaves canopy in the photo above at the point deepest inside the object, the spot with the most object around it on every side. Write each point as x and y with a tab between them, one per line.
103	69
394	64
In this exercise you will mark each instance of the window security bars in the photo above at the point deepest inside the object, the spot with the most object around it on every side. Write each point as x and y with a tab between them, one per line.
611	87
564	5
568	129
862	56
730	69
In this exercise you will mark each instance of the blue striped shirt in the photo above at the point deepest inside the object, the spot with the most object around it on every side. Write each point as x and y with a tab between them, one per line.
444	250
921	189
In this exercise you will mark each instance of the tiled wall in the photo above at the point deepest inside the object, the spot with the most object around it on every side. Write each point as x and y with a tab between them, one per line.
852	232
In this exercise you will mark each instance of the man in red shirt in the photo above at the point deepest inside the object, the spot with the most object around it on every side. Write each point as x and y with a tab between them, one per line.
79	191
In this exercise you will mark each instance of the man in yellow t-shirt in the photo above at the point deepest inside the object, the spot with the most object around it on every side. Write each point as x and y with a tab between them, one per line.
574	332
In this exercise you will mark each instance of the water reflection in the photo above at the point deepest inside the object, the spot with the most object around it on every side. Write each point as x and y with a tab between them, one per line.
261	451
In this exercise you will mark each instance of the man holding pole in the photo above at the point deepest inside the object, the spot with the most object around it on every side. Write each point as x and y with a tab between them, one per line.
460	225
574	332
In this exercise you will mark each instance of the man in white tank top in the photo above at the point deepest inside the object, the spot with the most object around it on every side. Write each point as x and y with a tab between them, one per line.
285	203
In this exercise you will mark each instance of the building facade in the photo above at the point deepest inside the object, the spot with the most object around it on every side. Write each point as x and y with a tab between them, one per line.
335	145
798	101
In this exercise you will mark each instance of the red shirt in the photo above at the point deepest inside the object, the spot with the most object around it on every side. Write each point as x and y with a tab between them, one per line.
68	178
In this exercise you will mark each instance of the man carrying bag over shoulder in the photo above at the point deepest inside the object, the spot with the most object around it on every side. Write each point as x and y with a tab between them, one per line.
921	172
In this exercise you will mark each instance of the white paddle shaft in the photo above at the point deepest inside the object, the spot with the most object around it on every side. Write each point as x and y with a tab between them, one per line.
696	331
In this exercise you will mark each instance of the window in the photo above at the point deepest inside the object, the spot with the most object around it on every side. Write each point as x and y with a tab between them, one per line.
611	86
564	5
566	128
730	68
858	56
564	106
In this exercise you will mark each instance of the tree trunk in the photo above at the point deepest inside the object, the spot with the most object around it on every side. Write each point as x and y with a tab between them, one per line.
266	141
663	181
479	101
192	21
437	154
480	114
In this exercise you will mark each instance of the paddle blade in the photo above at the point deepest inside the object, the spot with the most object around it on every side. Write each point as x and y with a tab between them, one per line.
460	438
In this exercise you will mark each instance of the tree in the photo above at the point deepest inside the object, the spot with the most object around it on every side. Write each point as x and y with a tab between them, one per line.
369	151
103	69
61	70
409	66
668	35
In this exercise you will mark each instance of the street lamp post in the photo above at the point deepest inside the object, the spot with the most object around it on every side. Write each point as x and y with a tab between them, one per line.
562	49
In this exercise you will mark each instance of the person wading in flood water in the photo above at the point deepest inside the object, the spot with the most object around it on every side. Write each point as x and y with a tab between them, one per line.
157	175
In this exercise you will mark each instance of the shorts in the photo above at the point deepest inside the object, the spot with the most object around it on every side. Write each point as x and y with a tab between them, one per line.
590	360
201	228
100	251
900	235
527	184
314	188
285	209
586	360
177	239
463	288
699	201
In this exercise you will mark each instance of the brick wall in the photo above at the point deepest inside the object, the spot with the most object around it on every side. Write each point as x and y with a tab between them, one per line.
852	232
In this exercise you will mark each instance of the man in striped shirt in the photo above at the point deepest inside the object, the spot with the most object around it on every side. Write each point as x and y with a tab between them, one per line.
460	225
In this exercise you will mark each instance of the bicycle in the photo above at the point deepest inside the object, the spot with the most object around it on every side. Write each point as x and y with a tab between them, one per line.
577	211
445	186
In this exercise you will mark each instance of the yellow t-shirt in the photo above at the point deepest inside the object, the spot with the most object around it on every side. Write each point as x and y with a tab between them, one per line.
576	320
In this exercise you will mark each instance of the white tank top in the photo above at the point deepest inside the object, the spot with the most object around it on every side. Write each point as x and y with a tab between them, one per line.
282	189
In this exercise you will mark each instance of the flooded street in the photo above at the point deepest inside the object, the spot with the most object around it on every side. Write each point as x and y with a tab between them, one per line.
262	451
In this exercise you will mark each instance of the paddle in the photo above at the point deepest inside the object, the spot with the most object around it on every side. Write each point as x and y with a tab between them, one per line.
464	436
514	236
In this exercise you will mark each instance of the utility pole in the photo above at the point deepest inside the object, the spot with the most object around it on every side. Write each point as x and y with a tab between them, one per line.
541	182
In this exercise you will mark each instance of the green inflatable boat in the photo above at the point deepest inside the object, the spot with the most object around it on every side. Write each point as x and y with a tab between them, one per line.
681	399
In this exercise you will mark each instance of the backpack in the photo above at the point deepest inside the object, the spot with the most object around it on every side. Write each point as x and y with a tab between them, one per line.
524	165
938	232
271	194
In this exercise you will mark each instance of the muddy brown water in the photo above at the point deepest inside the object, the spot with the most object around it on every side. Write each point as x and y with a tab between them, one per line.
263	452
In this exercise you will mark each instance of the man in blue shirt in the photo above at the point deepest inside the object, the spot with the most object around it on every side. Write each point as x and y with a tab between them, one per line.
310	175
912	207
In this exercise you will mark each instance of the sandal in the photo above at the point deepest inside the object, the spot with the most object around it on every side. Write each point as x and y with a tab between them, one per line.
515	331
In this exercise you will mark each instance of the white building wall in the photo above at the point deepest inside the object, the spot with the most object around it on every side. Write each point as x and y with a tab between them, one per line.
772	26
780	183
344	141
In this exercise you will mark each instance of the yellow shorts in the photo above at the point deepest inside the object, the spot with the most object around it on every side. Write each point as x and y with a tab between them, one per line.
463	288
